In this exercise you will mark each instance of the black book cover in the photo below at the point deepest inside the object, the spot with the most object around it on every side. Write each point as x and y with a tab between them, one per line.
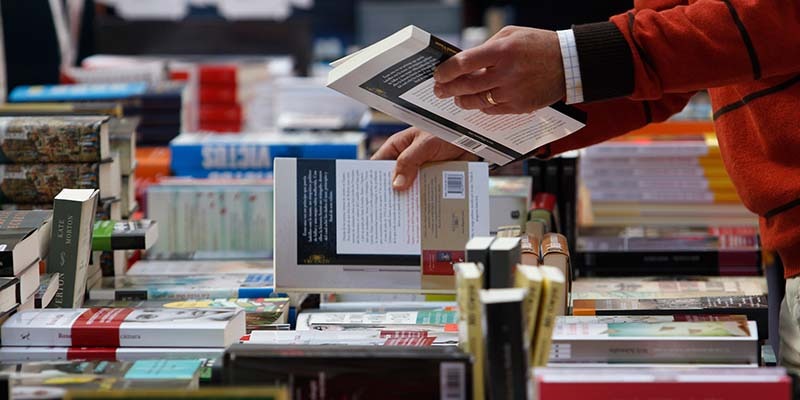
506	353
352	372
669	263
568	197
477	251
504	255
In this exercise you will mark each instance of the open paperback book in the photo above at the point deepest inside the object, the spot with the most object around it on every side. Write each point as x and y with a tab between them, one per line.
395	76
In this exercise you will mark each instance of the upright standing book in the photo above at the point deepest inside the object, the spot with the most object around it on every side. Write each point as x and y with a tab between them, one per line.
71	244
395	76
506	350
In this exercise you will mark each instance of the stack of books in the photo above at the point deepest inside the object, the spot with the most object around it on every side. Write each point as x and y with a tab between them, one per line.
224	89
25	236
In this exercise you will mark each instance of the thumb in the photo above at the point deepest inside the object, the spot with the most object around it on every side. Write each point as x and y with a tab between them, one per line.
408	163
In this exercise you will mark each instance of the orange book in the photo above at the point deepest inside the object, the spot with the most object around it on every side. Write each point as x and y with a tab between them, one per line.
152	163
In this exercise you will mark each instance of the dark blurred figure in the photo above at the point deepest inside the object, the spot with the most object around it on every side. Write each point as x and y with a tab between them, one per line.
548	14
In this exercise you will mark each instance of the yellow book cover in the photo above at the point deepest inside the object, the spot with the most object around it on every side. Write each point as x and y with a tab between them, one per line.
553	292
529	277
469	281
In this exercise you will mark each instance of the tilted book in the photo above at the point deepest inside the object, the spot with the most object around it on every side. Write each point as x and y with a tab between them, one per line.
124	327
53	139
48	286
71	244
184	287
395	76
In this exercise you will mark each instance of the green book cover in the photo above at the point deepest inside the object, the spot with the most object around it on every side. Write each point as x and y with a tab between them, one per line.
124	235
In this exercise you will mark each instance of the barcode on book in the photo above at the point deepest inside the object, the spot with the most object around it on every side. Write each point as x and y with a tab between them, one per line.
452	381
468	143
453	184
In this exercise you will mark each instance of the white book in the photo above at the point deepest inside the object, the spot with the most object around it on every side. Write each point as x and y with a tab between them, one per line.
342	228
395	76
352	338
198	267
41	354
124	327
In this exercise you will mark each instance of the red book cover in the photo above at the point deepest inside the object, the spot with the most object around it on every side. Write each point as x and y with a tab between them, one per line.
223	73
218	94
779	390
224	114
223	127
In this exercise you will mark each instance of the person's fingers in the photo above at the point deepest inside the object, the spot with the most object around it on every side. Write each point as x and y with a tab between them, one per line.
481	101
395	145
466	62
408	164
476	82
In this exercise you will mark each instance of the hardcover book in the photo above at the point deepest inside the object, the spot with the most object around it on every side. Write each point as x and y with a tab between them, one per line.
53	139
184	287
40	183
342	223
713	342
395	76
124	235
353	372
124	327
71	244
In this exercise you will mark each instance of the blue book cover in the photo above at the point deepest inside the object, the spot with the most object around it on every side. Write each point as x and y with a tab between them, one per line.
77	92
164	369
252	155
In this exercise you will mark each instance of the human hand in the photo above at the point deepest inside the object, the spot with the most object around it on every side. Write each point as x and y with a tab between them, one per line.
413	147
520	67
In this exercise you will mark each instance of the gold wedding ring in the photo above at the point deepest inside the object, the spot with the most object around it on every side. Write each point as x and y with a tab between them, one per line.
489	98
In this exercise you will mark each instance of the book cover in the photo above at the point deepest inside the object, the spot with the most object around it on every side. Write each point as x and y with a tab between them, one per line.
504	255
184	287
124	327
76	92
469	282
360	371
395	76
53	139
349	338
714	342
124	235
550	305
206	393
208	155
529	278
70	244
222	113
477	251
667	287
343	224
453	210
506	349
40	183
9	354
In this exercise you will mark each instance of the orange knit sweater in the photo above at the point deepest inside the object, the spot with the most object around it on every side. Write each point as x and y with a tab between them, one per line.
644	65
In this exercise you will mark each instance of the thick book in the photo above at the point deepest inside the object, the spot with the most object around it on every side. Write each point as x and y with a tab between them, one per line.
9	299
352	372
124	327
10	354
48	286
395	76
504	255
105	375
260	313
208	155
504	340
124	235
184	287
19	248
343	224
530	278
28	285
112	109
654	383
71	244
53	139
711	342
477	251
469	282
40	183
551	304
198	267
41	220
122	138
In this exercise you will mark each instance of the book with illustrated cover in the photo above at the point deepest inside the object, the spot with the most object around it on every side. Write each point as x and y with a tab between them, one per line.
124	327
124	235
9	354
40	183
353	372
343	224
105	375
198	267
184	287
395	76
715	342
53	139
71	244
260	313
